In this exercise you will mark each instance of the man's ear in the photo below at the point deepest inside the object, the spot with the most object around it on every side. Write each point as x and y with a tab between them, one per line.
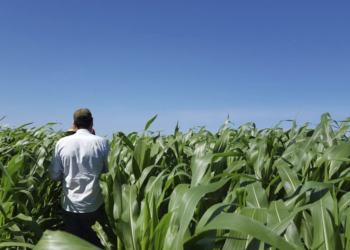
75	126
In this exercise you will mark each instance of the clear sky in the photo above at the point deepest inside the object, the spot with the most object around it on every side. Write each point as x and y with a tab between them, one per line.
192	61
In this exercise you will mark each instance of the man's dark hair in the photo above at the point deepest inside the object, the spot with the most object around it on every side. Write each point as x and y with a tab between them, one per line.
82	122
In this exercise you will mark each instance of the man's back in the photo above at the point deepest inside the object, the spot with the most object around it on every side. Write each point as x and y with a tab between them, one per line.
79	160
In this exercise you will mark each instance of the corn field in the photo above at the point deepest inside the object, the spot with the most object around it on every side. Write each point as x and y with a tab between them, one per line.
236	189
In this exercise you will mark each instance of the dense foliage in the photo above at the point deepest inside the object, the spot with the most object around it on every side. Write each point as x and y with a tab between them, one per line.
237	189
29	201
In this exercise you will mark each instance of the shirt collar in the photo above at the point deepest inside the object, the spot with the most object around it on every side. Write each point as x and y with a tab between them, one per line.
83	131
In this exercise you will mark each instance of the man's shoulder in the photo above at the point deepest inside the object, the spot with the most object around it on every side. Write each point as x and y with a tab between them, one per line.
77	137
101	139
102	143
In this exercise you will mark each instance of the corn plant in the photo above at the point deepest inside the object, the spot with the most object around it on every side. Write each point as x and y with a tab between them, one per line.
28	200
239	188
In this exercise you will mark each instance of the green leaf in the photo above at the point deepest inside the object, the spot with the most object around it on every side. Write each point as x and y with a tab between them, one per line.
126	140
16	244
176	196
347	229
160	232
145	174
324	231
279	212
27	220
150	122
256	196
306	229
199	166
280	227
336	152
241	240
102	236
211	213
289	179
58	240
139	155
29	195
188	205
6	174
344	202
249	226
129	216
222	142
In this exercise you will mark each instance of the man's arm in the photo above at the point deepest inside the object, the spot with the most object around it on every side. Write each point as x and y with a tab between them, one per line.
56	168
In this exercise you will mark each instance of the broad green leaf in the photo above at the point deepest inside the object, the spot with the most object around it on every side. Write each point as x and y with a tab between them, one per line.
241	240
130	215
338	151
277	213
256	196
59	240
280	227
126	140
160	232
323	225
199	166
176	196
260	159
145	174
289	179
249	226
344	202
102	236
306	229
222	142
139	155
210	214
187	207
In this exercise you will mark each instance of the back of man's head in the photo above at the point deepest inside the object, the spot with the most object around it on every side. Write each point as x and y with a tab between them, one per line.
82	118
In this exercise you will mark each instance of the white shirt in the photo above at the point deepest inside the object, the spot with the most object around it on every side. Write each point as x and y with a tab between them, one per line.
78	161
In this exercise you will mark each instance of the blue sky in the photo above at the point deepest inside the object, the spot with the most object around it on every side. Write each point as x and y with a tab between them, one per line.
189	61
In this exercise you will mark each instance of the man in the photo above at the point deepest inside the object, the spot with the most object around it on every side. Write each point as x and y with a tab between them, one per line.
78	161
